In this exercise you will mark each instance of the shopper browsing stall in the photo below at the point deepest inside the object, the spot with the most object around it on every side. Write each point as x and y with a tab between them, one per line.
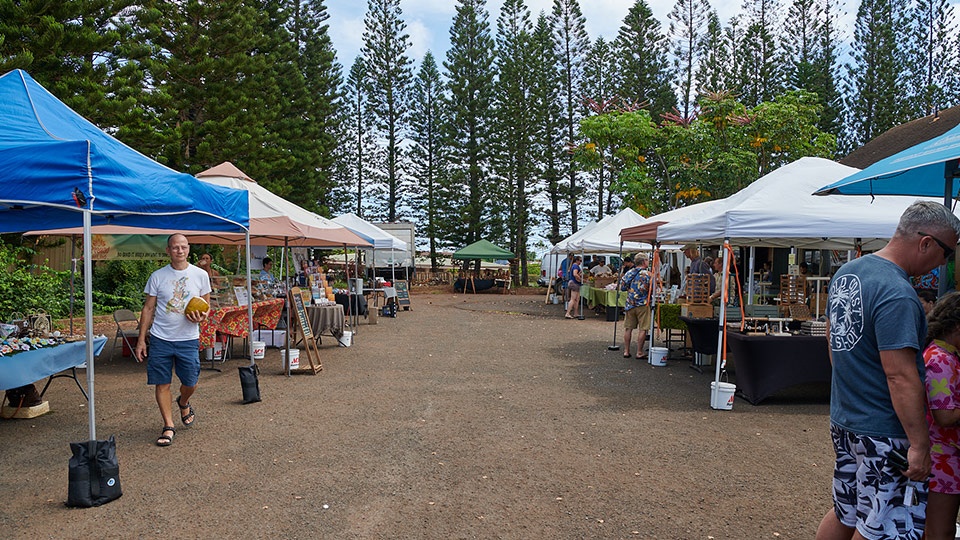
637	310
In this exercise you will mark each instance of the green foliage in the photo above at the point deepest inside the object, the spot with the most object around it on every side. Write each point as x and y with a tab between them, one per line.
28	288
684	161
119	284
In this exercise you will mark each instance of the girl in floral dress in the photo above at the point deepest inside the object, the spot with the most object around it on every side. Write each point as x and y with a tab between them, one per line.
943	416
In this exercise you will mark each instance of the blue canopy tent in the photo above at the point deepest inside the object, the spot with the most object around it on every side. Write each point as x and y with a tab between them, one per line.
59	170
928	169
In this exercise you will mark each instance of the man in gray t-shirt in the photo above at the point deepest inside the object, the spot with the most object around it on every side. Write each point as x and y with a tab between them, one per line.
876	328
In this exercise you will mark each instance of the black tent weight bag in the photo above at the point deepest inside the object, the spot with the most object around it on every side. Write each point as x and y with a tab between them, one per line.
250	383
94	476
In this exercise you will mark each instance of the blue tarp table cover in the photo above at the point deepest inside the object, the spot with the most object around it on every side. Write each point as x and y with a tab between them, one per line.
28	367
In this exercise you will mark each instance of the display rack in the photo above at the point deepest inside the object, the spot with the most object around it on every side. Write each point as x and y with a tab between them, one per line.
793	289
698	288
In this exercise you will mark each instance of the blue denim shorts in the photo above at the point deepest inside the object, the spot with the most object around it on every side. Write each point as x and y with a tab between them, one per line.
165	355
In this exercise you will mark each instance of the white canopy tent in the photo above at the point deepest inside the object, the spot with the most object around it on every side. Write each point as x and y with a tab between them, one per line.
379	239
780	210
562	246
604	235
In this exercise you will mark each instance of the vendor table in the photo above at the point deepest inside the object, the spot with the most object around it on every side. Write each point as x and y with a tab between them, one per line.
326	319
602	297
357	301
765	364
704	335
28	367
232	320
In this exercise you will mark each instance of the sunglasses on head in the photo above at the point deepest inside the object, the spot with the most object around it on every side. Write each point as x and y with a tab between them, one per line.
947	250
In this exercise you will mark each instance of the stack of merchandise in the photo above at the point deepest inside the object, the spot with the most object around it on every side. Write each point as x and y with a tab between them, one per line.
813	328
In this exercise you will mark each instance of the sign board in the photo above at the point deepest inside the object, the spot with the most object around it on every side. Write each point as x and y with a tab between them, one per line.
302	325
403	294
128	247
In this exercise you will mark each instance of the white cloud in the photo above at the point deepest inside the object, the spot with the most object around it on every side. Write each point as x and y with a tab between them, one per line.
346	31
421	40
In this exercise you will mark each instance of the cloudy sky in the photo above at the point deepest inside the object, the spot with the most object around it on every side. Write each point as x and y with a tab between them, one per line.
428	21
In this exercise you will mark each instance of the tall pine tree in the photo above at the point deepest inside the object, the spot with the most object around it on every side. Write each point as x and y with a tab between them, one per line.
932	57
72	49
645	69
759	77
470	78
689	20
875	82
515	124
385	48
427	118
547	148
361	183
600	84
713	70
572	43
322	78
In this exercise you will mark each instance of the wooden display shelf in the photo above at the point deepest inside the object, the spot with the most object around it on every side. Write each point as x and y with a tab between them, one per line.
698	288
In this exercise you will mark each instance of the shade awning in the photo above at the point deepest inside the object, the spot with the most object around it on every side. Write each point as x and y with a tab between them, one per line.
483	249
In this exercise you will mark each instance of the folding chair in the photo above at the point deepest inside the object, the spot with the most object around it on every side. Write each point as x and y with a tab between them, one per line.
125	331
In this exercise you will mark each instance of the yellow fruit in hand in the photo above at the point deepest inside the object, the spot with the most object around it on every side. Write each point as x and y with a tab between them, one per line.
196	305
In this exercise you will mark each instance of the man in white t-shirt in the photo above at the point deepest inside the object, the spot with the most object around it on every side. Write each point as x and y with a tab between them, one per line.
174	335
601	269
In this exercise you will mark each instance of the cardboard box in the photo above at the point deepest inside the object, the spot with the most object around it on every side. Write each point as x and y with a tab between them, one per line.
602	281
697	311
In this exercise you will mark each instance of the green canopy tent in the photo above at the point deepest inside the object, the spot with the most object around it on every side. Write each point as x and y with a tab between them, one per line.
481	249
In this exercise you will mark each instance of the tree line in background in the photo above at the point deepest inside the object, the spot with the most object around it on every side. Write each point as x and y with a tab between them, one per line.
526	126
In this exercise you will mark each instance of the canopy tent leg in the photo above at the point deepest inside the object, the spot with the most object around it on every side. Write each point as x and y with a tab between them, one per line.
721	362
616	305
88	320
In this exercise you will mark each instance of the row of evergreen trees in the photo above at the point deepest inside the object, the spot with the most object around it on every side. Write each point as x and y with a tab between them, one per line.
527	126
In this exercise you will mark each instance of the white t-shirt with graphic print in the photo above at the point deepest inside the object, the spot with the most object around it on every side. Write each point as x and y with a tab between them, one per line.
174	289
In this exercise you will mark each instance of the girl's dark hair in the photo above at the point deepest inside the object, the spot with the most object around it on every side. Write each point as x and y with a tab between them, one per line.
944	318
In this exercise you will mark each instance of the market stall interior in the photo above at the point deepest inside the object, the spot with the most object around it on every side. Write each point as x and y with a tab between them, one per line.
62	171
274	221
780	211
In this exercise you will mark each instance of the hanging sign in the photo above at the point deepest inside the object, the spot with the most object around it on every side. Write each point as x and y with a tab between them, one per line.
128	247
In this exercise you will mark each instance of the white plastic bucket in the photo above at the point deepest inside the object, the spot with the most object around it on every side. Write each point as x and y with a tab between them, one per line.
721	398
658	356
218	351
554	299
259	348
294	358
346	339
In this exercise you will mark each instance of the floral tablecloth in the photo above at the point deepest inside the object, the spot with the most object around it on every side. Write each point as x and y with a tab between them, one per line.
232	320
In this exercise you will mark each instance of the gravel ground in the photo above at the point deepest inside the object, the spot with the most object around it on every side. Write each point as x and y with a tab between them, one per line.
470	416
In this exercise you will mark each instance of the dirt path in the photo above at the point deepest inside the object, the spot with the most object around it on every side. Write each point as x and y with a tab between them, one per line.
483	416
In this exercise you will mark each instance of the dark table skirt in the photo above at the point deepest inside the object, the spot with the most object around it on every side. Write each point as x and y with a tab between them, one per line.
765	365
